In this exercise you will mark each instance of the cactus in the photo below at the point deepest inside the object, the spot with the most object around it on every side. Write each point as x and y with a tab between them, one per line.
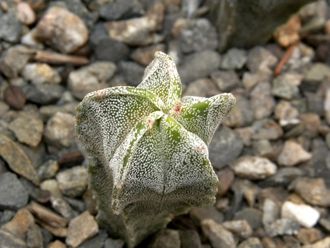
147	150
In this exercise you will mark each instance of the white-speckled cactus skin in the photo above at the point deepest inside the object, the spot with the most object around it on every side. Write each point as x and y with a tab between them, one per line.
147	150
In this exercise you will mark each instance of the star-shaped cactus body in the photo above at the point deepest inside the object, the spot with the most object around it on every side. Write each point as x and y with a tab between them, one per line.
147	150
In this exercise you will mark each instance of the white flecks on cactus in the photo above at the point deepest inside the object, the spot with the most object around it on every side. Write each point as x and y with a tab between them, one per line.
147	150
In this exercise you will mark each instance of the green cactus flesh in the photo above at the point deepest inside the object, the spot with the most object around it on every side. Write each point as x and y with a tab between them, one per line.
147	150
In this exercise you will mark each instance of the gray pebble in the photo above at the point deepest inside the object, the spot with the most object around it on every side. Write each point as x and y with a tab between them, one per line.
132	72
233	59
198	65
10	28
225	147
198	35
225	80
12	193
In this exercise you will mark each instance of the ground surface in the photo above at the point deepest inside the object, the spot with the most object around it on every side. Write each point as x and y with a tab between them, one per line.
271	155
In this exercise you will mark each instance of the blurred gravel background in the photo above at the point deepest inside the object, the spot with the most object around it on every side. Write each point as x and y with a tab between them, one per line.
271	155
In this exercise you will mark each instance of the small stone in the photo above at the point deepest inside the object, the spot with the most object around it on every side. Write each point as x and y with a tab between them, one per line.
35	192
282	227
287	158
254	167
12	193
271	212
9	240
225	147
263	148
312	190
198	35
325	223
190	239
250	80
249	190
266	129
324	243
51	186
317	72
124	9
166	239
286	113
71	158
80	229
39	73
14	60
132	72
144	55
200	214
245	135
226	178
97	241
113	243
3	108
138	31
14	97
198	65
25	13
73	182
311	124
48	169
233	59
240	227
242	113
251	243
44	93
327	106
260	59
47	216
61	206
201	87
62	29
286	85
303	214
288	33
59	130
90	78
110	50
28	128
10	28
262	101
218	235
222	204
34	237
6	216
30	40
56	244
309	235
20	224
225	80
17	159
78	7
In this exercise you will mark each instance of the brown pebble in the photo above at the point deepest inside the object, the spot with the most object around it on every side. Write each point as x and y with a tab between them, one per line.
56	244
47	216
20	224
81	228
14	97
61	232
226	178
309	235
71	158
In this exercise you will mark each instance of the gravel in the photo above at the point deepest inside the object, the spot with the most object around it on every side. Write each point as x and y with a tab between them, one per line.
271	155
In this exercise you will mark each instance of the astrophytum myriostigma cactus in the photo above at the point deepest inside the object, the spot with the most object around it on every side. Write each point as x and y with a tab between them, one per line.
147	150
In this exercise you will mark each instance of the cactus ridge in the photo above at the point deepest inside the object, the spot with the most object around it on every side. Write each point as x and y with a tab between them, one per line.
147	150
